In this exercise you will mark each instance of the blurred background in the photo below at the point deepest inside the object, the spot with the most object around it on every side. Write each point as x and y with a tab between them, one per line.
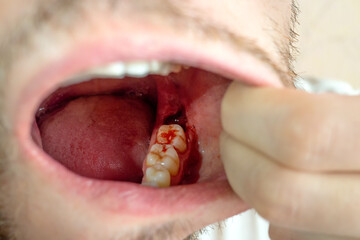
329	41
329	48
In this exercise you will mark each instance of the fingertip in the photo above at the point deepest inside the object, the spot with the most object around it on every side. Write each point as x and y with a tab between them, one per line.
229	152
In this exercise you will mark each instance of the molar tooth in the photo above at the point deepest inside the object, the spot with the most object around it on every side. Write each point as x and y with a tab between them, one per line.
172	134
165	156
138	69
157	176
160	68
155	66
167	68
164	69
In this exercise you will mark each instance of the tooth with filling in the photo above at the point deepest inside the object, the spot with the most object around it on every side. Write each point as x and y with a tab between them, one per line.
165	156
157	176
172	134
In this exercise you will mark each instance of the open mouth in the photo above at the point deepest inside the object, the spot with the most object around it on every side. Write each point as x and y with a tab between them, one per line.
129	122
147	127
132	135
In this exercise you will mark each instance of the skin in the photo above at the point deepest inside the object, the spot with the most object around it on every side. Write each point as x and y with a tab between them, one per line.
302	174
290	186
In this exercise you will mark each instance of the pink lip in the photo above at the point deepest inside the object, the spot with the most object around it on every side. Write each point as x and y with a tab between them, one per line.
128	198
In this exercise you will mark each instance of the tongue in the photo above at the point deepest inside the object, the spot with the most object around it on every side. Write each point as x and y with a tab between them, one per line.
103	137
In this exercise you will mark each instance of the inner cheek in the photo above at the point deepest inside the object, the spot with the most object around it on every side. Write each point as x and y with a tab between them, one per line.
208	125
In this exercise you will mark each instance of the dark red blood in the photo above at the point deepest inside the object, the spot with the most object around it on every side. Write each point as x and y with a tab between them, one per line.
103	137
169	136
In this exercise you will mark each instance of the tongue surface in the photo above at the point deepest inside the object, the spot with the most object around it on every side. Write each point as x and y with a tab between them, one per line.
103	137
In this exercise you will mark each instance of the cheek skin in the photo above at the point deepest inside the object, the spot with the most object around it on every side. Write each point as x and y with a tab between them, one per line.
265	22
42	212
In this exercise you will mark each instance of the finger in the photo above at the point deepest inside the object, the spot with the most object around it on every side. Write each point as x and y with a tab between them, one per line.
279	233
297	129
289	198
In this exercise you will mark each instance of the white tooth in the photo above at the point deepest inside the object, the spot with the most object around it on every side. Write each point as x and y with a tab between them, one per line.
155	66
171	165
157	176
115	70
132	69
164	69
137	69
172	134
163	155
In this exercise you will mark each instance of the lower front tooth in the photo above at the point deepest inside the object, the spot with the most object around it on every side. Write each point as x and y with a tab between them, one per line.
157	176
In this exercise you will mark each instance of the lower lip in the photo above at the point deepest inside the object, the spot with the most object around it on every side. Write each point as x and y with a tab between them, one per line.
130	198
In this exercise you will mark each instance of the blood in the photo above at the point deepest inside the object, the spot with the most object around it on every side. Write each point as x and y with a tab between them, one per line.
171	109
169	135
164	149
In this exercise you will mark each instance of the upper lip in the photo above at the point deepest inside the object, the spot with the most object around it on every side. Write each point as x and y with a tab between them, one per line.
128	198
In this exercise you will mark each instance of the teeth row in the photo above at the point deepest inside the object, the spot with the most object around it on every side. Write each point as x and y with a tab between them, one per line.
162	161
136	69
